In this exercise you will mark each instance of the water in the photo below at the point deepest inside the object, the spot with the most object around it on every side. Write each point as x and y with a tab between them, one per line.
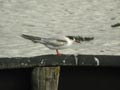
59	17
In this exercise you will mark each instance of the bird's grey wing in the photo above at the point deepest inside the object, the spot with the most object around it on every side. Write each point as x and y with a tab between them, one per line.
54	42
32	38
46	41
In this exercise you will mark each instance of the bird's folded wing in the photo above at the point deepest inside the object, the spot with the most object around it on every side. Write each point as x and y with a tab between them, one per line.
47	41
32	38
55	42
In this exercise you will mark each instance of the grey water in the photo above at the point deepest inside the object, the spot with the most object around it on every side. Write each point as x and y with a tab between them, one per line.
45	18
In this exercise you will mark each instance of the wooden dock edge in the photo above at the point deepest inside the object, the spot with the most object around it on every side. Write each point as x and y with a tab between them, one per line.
64	60
46	68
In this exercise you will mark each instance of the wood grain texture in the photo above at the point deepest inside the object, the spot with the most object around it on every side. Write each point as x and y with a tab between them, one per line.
64	60
45	78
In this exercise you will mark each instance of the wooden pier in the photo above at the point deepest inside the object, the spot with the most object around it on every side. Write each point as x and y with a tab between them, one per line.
45	70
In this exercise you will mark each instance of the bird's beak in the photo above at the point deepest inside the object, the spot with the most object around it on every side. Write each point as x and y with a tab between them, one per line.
77	41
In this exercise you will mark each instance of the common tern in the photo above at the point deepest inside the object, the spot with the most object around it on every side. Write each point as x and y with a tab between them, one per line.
54	43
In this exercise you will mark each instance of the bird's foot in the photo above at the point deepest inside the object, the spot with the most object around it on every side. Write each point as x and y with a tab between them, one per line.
58	53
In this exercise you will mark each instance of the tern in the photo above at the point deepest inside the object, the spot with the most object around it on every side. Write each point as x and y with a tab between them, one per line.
54	43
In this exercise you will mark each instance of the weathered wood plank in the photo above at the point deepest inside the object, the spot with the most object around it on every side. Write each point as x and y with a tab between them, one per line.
45	78
64	60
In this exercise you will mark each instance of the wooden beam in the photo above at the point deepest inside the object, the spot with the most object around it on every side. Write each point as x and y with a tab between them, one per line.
45	78
64	60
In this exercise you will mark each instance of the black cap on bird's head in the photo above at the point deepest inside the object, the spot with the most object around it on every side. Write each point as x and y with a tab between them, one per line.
73	38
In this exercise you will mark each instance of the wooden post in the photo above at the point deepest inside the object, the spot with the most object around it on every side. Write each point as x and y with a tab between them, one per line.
45	78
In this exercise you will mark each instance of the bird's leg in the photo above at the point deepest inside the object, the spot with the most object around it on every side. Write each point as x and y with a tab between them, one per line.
58	53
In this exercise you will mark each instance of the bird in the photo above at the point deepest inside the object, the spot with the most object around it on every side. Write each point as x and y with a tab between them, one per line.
55	43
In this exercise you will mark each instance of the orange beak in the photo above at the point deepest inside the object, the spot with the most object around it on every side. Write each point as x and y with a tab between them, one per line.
77	41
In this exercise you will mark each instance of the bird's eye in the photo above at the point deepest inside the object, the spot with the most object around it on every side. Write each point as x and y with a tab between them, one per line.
73	39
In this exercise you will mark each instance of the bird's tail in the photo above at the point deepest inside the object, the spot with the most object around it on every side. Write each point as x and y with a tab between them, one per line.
32	38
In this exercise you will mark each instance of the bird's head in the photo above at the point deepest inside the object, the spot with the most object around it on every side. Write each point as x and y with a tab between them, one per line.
73	39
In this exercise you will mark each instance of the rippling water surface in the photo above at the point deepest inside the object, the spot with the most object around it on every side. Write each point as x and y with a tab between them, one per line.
59	17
